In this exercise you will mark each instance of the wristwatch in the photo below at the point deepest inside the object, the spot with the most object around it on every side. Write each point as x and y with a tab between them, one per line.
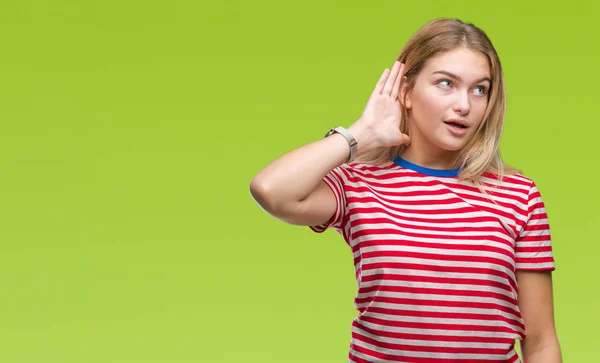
348	136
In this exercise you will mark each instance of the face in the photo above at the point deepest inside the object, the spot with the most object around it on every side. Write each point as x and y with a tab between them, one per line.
449	100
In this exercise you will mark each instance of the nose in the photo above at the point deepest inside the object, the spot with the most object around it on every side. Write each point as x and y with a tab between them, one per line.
462	104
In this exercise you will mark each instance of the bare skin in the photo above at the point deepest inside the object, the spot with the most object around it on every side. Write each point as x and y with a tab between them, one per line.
451	86
291	188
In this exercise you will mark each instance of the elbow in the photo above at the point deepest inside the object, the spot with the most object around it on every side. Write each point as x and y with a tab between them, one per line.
544	346
262	194
274	200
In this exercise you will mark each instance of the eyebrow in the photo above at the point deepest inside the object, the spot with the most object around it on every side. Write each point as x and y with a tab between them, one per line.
460	79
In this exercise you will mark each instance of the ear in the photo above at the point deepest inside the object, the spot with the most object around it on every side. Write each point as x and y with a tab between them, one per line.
404	92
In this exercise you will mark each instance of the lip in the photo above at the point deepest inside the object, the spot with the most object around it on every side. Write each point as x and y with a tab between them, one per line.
455	130
458	121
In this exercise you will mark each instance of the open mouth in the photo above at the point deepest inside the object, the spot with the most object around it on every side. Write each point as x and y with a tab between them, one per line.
456	124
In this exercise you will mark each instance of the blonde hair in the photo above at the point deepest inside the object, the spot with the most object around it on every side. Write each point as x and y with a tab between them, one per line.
481	154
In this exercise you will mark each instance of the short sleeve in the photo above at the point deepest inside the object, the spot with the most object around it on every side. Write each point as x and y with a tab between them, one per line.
533	248
335	180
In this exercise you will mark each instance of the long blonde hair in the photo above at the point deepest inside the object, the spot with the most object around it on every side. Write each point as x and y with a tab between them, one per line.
481	154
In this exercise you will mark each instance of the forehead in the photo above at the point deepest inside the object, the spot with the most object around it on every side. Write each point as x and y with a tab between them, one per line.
466	63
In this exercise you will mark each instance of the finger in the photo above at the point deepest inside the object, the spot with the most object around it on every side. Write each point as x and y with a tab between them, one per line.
381	82
396	88
406	139
389	82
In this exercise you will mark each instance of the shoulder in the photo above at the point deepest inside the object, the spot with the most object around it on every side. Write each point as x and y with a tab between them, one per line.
364	168
512	178
515	187
364	172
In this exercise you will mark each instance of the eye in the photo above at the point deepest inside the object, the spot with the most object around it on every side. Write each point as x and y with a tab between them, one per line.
445	81
483	90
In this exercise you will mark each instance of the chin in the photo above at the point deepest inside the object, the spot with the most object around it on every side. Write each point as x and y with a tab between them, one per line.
451	145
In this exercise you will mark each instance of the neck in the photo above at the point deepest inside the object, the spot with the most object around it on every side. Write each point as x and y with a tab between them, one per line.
425	154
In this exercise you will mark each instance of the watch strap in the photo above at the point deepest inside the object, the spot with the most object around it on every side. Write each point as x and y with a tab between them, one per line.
349	138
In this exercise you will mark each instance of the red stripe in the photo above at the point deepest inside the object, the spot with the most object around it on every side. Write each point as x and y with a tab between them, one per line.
425	219
540	249
436	291
437	257
424	336
404	359
442	246
352	199
450	199
436	268
536	260
444	195
451	316
437	303
356	359
483	329
533	238
537	227
426	349
452	281
441	227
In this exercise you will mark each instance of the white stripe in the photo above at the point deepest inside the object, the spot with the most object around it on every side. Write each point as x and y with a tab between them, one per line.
411	177
439	309
449	225
543	232
434	285
509	221
430	343
437	274
430	206
443	213
388	194
462	233
436	263
430	354
447	252
457	333
542	243
400	236
439	321
537	222
429	297
534	254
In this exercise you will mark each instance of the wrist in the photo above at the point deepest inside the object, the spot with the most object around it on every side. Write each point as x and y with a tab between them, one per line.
350	140
364	139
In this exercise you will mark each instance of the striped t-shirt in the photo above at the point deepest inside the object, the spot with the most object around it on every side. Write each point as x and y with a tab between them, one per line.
435	260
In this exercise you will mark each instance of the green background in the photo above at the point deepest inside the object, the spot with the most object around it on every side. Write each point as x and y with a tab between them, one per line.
131	131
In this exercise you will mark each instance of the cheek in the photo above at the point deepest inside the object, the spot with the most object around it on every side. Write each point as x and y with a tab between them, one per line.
479	110
428	106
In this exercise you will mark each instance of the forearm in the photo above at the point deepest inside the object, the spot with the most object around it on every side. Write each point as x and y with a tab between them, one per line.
295	175
548	353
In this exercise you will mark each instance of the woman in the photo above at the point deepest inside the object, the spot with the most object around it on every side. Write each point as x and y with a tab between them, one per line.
451	247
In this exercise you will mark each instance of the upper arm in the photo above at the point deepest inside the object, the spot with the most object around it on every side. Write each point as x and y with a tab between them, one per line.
319	207
536	304
316	209
325	206
533	246
534	265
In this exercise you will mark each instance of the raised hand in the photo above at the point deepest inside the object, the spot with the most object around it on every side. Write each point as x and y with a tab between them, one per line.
379	124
